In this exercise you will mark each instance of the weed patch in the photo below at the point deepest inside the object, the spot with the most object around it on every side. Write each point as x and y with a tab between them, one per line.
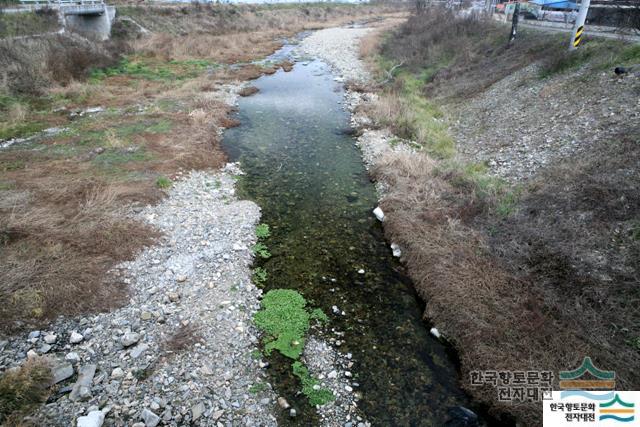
261	250
262	231
259	276
163	182
316	395
23	388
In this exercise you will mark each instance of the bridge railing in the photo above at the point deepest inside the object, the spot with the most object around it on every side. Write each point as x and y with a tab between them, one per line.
54	3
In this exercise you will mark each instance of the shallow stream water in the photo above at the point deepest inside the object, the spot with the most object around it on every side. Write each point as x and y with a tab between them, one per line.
306	173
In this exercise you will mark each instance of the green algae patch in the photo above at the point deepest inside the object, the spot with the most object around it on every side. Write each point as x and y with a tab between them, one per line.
316	395
285	322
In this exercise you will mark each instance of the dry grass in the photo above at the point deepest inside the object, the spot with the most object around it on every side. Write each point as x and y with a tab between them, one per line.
495	320
184	337
23	388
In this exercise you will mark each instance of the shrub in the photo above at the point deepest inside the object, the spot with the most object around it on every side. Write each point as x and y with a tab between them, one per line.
23	388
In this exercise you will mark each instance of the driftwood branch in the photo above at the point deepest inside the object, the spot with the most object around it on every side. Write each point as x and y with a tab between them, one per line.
389	73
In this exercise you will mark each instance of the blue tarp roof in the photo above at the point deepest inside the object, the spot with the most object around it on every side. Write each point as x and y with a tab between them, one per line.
556	4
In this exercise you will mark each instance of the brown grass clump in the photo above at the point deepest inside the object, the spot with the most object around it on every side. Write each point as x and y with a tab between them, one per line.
248	91
23	388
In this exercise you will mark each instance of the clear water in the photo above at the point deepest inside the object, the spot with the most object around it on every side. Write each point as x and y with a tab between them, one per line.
306	173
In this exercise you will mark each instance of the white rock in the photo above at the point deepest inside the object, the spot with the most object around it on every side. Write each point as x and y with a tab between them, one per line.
378	213
31	354
138	350
332	374
50	338
75	338
197	410
361	271
92	419
72	357
435	332
395	249
117	373
129	339
150	419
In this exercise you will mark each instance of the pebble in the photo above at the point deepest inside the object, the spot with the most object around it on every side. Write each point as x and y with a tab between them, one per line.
282	402
129	339
150	419
50	339
117	373
75	338
197	410
92	419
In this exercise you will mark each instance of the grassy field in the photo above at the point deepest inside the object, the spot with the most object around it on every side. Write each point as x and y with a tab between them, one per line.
509	271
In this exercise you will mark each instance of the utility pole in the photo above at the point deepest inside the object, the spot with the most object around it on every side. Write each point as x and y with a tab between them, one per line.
578	28
514	23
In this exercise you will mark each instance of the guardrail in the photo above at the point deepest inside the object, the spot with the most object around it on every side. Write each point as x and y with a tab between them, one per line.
61	2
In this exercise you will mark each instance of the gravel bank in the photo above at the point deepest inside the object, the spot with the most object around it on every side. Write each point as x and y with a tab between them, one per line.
339	48
183	351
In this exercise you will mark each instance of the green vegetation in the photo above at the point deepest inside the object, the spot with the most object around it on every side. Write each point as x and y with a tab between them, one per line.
22	389
320	396
20	129
163	182
318	314
257	388
259	276
261	250
146	69
262	231
634	343
424	122
284	320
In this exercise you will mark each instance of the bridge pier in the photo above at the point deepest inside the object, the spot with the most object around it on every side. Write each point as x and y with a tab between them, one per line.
90	24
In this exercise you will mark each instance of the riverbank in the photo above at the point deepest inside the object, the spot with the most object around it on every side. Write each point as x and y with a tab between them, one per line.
104	211
495	234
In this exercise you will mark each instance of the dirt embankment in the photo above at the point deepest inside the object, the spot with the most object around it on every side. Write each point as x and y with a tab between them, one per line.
509	179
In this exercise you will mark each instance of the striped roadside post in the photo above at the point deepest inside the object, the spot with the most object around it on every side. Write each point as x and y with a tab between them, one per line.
578	28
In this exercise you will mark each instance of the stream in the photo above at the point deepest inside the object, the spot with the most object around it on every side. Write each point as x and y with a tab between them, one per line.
306	173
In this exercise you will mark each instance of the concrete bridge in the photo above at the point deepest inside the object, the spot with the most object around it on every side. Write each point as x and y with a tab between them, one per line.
89	17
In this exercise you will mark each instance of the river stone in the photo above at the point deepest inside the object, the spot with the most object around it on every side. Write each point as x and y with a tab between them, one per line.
283	403
50	338
34	334
138	350
129	339
145	315
61	372
72	357
117	373
75	338
92	419
150	419
82	388
197	410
